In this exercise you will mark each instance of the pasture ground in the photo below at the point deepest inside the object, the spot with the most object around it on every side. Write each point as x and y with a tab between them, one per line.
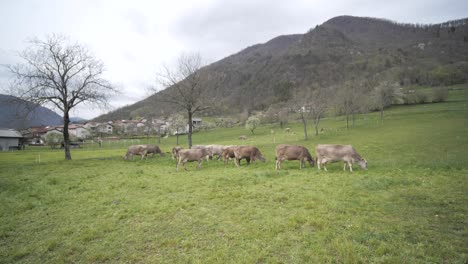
409	207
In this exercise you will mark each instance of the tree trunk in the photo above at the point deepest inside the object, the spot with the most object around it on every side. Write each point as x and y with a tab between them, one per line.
347	120
190	128
66	135
316	122
304	122
177	138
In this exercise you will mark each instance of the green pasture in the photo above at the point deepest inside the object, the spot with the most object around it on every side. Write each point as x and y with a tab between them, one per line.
410	206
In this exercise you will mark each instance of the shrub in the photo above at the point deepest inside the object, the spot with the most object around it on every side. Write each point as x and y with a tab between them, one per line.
439	94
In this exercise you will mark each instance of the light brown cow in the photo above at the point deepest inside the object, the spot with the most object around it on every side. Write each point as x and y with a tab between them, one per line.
250	153
333	153
153	149
187	155
292	152
175	150
228	153
141	150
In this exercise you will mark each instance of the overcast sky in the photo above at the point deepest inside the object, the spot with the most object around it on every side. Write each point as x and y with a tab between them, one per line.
135	38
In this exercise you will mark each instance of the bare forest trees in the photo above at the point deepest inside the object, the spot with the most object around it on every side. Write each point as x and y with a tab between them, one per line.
349	100
188	85
64	74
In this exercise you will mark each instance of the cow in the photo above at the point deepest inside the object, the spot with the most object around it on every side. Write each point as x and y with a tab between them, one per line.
333	153
141	150
185	155
243	137
247	152
292	152
153	149
175	150
228	153
215	150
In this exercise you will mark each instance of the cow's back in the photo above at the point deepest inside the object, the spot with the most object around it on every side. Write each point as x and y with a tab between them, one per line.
334	151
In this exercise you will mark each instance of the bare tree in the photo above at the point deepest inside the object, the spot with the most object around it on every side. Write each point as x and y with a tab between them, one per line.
188	86
317	105
63	74
301	104
385	94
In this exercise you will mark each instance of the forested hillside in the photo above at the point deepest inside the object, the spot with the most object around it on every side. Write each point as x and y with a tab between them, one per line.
343	51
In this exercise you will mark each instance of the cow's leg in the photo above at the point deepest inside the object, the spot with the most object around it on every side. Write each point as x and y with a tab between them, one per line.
236	161
199	163
324	162
318	163
177	164
344	166
350	167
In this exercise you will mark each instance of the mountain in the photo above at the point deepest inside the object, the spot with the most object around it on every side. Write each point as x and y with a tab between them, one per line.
20	114
343	48
77	120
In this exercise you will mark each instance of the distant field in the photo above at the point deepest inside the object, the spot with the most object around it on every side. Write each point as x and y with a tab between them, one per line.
409	207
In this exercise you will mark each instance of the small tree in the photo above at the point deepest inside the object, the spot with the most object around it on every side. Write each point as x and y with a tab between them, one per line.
385	94
54	139
177	124
318	104
252	123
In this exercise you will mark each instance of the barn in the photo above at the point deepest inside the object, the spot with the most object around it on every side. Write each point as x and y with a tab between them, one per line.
10	139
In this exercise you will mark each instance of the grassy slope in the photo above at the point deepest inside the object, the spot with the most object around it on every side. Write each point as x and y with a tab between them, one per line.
410	206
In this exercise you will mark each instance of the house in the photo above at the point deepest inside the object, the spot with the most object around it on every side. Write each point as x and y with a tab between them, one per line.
34	135
78	131
105	128
10	139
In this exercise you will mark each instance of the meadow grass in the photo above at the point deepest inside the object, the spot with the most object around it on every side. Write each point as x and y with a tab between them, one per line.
409	207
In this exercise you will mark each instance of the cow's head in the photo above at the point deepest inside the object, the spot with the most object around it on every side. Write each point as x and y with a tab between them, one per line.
125	157
260	157
363	163
311	161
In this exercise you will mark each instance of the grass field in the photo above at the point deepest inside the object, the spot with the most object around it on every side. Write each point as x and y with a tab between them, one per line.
409	207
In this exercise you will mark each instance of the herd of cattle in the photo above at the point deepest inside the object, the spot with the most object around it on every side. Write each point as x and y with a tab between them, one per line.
324	154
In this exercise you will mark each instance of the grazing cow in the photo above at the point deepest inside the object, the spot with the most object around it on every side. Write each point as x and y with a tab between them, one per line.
243	137
292	152
153	149
175	150
215	150
185	155
141	150
228	153
249	153
333	153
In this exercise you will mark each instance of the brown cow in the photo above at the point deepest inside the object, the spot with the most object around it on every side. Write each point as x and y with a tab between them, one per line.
141	150
185	155
292	152
153	149
249	153
333	153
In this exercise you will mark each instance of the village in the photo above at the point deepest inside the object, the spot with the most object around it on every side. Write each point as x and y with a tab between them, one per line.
80	133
